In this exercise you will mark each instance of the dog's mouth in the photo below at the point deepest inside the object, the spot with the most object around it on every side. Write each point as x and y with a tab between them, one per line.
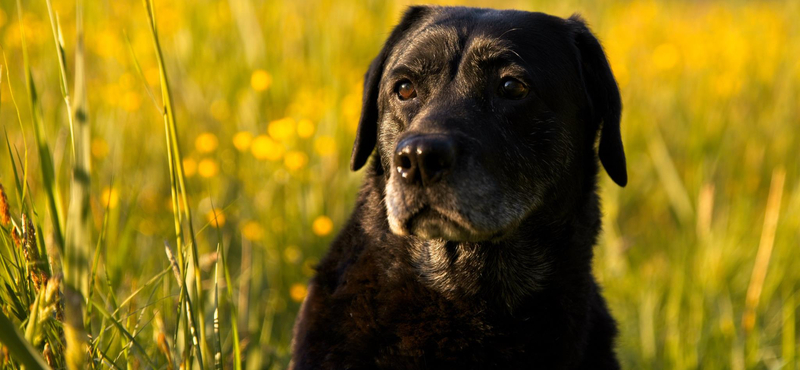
430	222
464	212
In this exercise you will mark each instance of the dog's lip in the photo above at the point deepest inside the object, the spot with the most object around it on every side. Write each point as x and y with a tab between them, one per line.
431	212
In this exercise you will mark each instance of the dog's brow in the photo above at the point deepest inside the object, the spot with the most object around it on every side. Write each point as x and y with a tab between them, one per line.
483	49
425	52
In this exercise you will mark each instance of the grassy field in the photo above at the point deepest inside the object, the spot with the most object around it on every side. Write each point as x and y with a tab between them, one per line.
171	181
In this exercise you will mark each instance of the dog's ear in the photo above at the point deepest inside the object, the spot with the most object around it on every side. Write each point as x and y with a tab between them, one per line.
603	94
367	134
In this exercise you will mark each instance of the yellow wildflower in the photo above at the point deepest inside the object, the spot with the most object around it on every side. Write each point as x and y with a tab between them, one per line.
305	128
281	129
207	168
242	140
260	80
216	218
252	231
206	142
265	148
298	292
110	197
295	160
322	226
131	101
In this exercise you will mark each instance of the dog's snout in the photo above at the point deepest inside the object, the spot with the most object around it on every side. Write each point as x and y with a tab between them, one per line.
424	159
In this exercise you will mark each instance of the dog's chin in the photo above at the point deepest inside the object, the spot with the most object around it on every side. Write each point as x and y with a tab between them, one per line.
430	224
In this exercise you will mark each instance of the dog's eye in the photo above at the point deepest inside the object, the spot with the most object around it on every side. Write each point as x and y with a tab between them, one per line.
511	88
405	90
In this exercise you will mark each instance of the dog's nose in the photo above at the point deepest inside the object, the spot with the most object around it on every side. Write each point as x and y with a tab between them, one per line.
424	159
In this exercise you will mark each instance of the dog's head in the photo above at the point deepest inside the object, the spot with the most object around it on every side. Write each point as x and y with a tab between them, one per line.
480	116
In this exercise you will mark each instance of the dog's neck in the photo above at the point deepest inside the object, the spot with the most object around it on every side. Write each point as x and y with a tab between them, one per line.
548	247
506	273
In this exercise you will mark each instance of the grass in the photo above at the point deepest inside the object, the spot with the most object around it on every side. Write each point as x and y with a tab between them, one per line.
190	168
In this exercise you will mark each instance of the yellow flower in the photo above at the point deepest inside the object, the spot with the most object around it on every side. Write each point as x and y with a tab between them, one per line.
99	148
206	142
207	168
110	197
305	128
242	140
322	226
281	129
325	145
265	148
216	218
292	255
298	292
252	231
295	160
131	101
260	80
665	56
189	167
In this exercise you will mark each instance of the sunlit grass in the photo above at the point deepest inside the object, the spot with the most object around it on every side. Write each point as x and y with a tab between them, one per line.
176	178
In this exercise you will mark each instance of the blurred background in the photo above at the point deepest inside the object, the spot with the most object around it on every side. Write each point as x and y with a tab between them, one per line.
699	255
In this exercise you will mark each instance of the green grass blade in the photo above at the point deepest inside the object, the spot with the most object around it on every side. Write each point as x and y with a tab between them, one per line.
177	159
19	348
32	329
121	328
186	302
141	74
62	66
217	337
96	264
150	282
237	352
20	188
48	172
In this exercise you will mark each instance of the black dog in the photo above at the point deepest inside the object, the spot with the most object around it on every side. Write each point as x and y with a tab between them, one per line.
470	246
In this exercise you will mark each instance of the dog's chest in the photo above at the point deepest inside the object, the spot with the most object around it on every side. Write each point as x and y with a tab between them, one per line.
402	321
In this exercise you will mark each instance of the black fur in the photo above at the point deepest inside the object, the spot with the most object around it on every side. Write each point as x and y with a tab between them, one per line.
513	288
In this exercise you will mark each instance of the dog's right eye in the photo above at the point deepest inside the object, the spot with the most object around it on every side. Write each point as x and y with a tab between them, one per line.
511	88
405	90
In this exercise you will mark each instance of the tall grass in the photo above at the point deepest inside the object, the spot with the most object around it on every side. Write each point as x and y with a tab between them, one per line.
192	224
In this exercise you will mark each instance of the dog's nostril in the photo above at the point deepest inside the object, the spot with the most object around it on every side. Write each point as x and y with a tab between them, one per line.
424	159
404	163
433	164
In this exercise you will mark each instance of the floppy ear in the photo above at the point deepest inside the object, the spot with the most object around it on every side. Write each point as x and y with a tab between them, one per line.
603	94
367	134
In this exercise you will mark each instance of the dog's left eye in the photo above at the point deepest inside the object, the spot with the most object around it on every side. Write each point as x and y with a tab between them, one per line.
511	88
405	90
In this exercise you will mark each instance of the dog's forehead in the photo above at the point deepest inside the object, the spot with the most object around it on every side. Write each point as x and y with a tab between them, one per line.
450	33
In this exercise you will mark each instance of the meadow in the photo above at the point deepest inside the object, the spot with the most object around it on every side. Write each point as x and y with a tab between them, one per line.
172	171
